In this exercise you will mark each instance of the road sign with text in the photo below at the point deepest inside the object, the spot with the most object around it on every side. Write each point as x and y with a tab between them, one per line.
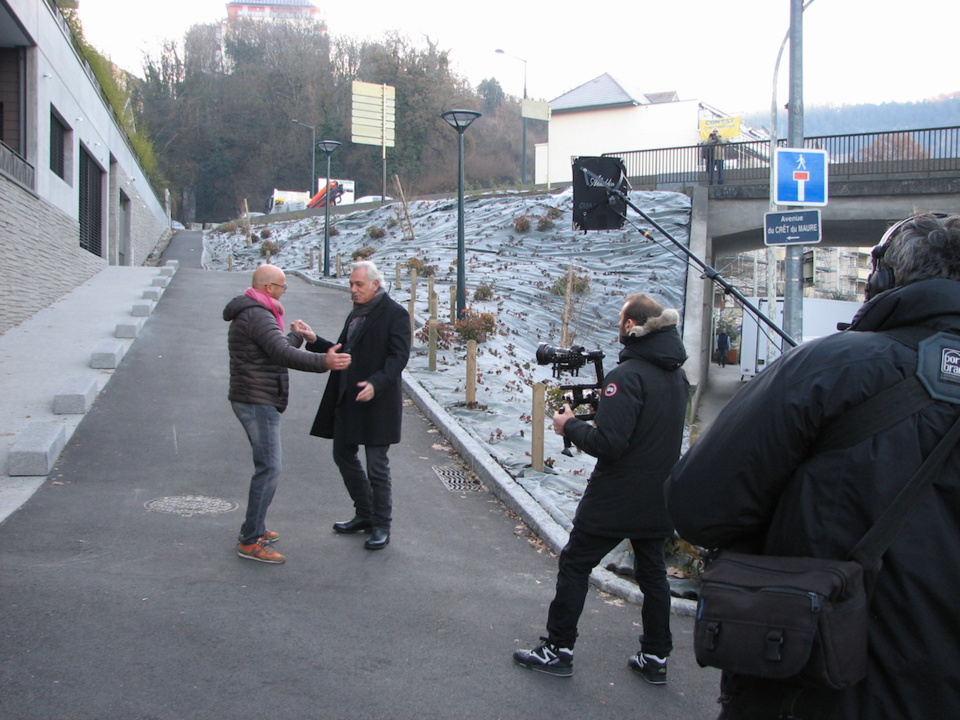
800	227
801	177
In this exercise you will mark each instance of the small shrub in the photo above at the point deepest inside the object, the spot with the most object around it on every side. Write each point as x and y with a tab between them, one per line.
554	213
581	283
334	231
265	233
269	248
418	264
521	223
375	232
476	326
362	253
544	224
483	292
392	223
445	333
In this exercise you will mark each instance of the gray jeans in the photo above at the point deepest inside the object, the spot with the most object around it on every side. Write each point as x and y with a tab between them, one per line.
262	424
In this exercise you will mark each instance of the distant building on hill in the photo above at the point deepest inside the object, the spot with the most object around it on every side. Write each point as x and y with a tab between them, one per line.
273	10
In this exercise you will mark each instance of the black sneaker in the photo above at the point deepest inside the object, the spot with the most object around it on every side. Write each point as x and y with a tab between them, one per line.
546	658
649	667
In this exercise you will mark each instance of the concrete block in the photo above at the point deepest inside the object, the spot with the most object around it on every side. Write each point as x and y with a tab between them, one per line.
75	396
167	271
130	329
154	293
37	448
175	264
107	355
142	309
161	282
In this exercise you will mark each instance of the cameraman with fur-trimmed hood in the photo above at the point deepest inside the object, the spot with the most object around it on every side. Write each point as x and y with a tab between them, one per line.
636	440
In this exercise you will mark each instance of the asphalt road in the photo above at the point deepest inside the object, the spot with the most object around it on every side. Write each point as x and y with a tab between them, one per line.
111	608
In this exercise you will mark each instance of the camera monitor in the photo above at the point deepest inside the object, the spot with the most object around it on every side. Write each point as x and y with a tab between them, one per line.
595	207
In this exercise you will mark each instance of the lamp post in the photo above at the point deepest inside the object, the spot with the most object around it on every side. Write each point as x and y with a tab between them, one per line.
313	156
327	147
460	120
523	158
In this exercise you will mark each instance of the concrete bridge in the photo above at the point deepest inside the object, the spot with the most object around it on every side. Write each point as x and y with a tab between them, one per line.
874	180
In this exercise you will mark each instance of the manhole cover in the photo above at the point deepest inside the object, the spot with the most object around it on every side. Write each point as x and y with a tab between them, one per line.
190	505
456	480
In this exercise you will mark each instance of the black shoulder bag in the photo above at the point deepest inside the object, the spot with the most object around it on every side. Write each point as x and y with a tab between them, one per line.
780	617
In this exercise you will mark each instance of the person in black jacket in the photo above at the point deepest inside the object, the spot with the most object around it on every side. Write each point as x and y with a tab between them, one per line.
636	440
753	482
259	387
363	405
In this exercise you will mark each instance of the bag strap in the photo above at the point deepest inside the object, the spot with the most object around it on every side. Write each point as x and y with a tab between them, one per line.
883	410
872	545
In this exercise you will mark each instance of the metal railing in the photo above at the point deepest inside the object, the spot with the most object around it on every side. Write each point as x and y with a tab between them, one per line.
919	153
18	169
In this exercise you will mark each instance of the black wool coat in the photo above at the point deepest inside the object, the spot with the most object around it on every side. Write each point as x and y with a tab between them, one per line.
379	352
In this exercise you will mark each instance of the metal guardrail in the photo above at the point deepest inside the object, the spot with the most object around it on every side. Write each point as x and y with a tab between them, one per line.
14	166
919	153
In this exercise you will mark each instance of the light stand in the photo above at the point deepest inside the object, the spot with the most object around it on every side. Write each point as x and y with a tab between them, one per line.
460	120
327	147
708	272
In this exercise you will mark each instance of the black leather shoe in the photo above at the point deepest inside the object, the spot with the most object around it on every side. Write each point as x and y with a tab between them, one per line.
379	539
356	525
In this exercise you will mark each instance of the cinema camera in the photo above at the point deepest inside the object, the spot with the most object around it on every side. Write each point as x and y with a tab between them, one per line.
571	360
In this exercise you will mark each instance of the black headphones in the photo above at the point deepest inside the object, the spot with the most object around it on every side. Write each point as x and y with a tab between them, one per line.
881	277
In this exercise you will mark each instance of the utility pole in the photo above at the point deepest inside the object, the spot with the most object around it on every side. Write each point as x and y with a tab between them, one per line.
793	275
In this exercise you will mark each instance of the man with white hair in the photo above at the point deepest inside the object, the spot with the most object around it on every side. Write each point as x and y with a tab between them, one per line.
363	404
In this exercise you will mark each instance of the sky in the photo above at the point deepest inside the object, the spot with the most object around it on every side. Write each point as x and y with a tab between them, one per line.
723	54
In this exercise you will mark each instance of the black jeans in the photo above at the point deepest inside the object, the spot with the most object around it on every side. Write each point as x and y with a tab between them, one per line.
369	489
582	554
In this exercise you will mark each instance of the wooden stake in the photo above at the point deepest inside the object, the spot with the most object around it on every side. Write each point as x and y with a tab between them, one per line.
536	436
432	354
471	373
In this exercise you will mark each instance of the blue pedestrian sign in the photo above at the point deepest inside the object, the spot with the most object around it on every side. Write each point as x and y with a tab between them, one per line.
801	177
800	227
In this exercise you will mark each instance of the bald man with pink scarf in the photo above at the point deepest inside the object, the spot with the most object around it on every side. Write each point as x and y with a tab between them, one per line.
260	355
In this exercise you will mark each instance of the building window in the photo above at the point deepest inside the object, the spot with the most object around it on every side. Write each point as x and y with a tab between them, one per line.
58	146
91	204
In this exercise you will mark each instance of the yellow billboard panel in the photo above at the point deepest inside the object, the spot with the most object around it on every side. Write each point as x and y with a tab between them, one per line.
728	127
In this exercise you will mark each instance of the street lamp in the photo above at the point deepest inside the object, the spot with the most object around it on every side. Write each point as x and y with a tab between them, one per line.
313	156
523	158
460	120
327	147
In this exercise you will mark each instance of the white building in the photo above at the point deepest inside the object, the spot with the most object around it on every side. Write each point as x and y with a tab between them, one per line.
602	116
73	196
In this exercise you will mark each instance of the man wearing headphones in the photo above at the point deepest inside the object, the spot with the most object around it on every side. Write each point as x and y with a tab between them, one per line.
753	482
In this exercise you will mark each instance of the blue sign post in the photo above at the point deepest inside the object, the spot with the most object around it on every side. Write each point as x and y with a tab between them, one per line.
801	177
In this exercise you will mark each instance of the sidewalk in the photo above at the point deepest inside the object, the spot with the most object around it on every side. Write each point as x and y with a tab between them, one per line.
124	598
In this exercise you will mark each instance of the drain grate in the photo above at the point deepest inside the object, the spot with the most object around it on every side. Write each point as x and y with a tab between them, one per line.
190	505
456	480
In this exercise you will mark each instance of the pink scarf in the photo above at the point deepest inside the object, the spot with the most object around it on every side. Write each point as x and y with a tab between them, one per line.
272	305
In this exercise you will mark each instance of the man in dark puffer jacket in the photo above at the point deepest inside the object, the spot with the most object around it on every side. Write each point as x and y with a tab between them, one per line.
259	386
753	482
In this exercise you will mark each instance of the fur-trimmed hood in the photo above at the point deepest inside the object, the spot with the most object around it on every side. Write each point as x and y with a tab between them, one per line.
667	318
656	341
